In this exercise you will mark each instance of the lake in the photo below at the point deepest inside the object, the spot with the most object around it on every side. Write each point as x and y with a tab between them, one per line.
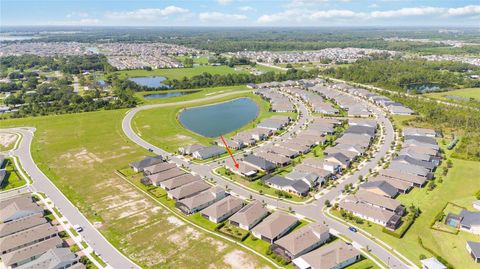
166	94
218	119
152	82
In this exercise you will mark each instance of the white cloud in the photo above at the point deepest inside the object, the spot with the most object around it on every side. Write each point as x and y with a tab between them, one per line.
335	13
373	5
247	8
466	10
77	15
224	2
303	3
414	11
220	17
306	16
146	13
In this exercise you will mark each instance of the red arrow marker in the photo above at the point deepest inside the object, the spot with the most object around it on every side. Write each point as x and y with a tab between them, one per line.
229	152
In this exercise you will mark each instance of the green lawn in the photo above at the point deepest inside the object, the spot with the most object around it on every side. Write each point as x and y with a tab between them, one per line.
79	153
12	178
180	73
160	126
464	93
363	264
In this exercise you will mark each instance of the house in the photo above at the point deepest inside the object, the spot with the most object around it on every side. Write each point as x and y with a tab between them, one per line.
3	175
29	253
418	132
244	169
422	139
474	249
157	168
413	180
18	207
410	169
278	160
289	144
297	187
176	182
338	158
275	226
146	162
53	258
283	151
158	178
470	221
311	179
274	123
222	209
432	263
27	237
259	163
189	149
376	200
334	255
371	213
362	122
188	190
430	166
400	110
363	130
195	203
301	241
208	152
249	216
21	224
380	188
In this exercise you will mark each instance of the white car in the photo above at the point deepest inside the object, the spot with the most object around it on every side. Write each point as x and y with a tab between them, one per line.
77	228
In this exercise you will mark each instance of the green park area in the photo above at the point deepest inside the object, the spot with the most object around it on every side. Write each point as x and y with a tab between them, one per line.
12	177
179	73
80	153
462	94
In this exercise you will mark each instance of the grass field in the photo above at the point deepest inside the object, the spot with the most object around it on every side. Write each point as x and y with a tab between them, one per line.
80	152
160	126
12	179
180	73
467	93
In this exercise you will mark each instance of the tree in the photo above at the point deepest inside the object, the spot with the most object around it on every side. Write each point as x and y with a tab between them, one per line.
327	203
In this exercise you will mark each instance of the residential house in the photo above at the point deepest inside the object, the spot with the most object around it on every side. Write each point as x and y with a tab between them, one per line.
157	168
380	187
470	221
27	237
188	190
259	163
301	241
21	224
418	132
376	200
278	160
413	180
333	256
249	216
208	152
222	209
158	178
432	263
53	258
338	158
190	149
18	207
29	253
311	179
179	181
193	204
297	187
374	214
275	226
146	162
474	249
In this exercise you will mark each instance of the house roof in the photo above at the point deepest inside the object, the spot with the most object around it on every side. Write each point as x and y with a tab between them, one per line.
53	258
432	263
210	151
275	224
470	218
18	225
259	162
397	183
167	174
328	256
30	251
413	161
147	161
180	181
358	129
381	185
14	205
303	238
317	163
367	210
418	131
297	185
159	167
367	197
274	158
282	151
408	168
403	176
340	157
202	197
475	247
26	236
222	207
422	139
189	189
249	213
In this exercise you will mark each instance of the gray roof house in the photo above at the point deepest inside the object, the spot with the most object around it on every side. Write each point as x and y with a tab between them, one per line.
432	263
371	213
146	162
358	129
222	209
419	132
380	187
249	216
208	152
29	253
259	163
157	168
274	226
377	200
474	249
409	160
189	149
311	179
18	207
301	241
158	178
27	237
21	224
413	180
421	139
470	221
53	258
176	182
297	187
201	200
410	169
338	158
3	175
277	159
334	255
188	190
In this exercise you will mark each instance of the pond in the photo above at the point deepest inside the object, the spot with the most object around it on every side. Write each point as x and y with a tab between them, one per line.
425	88
218	119
152	82
166	94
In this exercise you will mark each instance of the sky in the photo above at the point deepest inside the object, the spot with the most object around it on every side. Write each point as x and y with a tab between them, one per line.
241	12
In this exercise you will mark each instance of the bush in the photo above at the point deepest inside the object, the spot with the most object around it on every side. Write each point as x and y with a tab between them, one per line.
268	252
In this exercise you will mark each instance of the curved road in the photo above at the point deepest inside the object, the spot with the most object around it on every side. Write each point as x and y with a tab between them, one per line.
313	210
41	183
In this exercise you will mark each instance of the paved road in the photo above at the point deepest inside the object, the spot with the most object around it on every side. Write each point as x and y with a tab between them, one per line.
41	183
311	210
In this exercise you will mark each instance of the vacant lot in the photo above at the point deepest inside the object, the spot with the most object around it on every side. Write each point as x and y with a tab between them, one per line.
465	94
7	141
80	153
180	73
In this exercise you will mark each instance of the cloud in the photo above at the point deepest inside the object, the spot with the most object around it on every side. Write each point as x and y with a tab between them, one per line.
89	21
220	17
303	3
146	13
77	15
306	16
224	2
414	11
373	5
335	13
247	8
466	10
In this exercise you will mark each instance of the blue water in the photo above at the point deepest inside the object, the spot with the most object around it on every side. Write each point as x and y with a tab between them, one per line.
152	82
166	94
219	119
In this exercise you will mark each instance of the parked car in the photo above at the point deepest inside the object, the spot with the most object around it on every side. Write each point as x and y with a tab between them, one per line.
151	150
353	229
77	228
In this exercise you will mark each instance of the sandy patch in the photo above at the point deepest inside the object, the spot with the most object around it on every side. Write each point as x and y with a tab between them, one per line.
175	221
219	245
7	139
194	234
97	224
237	260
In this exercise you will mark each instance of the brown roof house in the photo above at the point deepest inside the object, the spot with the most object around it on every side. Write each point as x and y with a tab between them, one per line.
274	226
335	255
22	224
249	216
222	209
27	237
18	207
188	190
201	200
301	241
29	253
